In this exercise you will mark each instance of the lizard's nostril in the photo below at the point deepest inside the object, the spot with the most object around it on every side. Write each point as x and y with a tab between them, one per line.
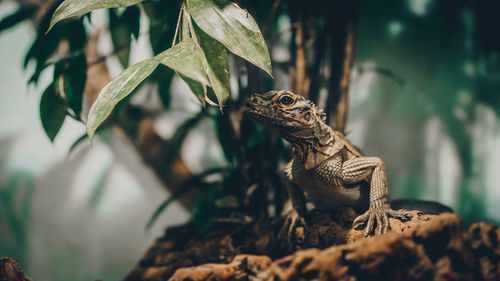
251	101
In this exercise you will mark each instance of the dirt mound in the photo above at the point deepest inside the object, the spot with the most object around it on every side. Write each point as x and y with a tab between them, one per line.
427	247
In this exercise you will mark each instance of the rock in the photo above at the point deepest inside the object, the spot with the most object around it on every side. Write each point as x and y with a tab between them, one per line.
483	241
427	247
416	218
430	250
180	247
242	267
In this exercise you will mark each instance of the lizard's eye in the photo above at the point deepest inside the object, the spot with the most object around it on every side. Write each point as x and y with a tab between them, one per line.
286	100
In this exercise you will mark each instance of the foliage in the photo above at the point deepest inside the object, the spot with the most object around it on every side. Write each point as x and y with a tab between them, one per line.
191	39
20	15
201	36
201	61
52	111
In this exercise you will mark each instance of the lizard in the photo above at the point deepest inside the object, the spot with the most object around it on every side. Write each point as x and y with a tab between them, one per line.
325	166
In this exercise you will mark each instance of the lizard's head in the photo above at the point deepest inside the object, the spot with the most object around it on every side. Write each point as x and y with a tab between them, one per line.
294	117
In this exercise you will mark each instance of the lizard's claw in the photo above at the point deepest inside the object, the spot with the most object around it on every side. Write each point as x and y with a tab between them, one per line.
380	216
292	220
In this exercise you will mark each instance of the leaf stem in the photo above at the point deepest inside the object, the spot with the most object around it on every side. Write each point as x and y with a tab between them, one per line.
178	22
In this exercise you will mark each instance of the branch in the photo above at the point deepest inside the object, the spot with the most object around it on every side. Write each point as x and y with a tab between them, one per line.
298	72
342	35
270	17
341	108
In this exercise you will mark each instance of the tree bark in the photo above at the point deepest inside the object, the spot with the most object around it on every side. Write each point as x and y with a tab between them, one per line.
341	28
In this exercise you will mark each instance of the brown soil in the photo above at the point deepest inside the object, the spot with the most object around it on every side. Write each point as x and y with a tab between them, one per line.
427	247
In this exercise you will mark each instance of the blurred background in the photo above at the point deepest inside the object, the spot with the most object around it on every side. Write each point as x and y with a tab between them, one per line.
423	95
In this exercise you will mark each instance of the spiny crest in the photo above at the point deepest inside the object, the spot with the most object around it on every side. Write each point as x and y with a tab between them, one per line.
318	111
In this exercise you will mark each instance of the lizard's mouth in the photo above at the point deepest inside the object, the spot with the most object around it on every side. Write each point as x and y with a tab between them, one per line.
266	117
270	119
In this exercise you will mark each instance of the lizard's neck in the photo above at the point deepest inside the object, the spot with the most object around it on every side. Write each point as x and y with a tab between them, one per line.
315	149
300	150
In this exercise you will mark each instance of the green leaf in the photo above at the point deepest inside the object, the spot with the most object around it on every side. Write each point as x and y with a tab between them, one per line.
186	58
204	211
88	17
162	23
233	27
77	142
217	66
160	36
185	26
52	111
163	77
45	46
72	8
75	77
18	16
102	131
132	18
122	28
116	90
227	140
120	36
187	33
175	143
198	89
195	181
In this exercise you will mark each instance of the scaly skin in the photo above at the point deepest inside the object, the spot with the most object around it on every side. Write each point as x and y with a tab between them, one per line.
325	166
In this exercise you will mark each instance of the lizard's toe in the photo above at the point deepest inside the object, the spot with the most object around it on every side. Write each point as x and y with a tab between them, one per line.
370	224
375	217
292	221
385	226
402	215
360	221
379	223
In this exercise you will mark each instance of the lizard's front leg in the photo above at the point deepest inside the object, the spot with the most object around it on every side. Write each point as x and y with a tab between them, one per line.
294	217
373	168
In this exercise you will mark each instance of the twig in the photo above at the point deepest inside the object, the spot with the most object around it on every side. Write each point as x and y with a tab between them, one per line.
341	29
178	22
270	17
341	116
299	74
